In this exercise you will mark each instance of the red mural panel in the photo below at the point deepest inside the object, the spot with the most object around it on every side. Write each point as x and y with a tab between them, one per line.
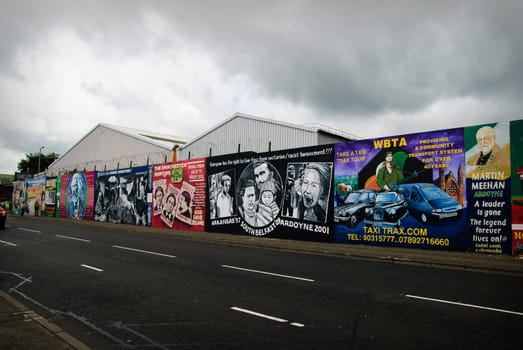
178	193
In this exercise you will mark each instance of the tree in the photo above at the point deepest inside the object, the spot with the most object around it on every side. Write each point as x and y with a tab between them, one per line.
29	165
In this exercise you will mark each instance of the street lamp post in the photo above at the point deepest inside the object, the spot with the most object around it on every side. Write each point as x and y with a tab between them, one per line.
39	154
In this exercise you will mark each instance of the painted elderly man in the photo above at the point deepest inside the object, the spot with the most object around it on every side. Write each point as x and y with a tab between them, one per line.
489	151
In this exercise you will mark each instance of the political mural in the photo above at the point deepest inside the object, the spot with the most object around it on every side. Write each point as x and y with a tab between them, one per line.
77	195
57	212
18	200
123	196
455	189
178	195
406	190
516	150
49	207
488	188
35	188
285	194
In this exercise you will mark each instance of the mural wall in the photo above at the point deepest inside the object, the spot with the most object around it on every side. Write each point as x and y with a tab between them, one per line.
50	197
17	204
77	196
282	194
405	190
516	150
488	188
35	195
456	189
178	195
123	196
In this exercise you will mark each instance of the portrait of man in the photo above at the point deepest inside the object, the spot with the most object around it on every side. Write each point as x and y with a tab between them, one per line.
224	201
490	153
389	175
248	202
170	203
158	200
262	173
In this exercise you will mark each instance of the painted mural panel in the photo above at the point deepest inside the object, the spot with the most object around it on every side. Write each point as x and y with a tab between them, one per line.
406	190
49	207
179	192
282	194
58	196
17	205
77	196
35	188
488	188
123	196
516	150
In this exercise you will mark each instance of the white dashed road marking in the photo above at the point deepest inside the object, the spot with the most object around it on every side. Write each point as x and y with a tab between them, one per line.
268	273
91	267
144	251
463	304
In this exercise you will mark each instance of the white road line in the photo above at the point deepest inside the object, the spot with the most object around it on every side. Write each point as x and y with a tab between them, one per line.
74	238
254	313
296	324
466	305
268	273
91	267
269	317
8	243
144	251
28	229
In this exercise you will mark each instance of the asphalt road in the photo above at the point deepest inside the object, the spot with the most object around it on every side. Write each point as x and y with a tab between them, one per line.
113	288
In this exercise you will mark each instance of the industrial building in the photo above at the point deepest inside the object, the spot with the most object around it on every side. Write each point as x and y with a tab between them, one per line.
241	133
109	147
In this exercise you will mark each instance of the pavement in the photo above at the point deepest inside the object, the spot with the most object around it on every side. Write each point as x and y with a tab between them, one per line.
22	328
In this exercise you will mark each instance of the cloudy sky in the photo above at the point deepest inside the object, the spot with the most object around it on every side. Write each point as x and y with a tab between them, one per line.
369	68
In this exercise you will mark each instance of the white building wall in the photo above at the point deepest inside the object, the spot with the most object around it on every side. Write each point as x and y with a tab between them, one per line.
324	138
252	135
106	149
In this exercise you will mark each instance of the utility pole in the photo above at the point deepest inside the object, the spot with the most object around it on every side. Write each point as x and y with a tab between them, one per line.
39	154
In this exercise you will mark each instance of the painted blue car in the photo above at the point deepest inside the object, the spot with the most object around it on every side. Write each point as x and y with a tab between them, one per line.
429	203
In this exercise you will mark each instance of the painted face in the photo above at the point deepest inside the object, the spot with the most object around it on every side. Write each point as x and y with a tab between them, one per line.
291	172
249	199
183	206
311	188
170	203
159	196
486	138
261	173
226	186
267	197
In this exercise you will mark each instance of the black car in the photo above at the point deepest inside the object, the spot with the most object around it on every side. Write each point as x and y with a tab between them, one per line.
389	208
352	211
429	203
3	215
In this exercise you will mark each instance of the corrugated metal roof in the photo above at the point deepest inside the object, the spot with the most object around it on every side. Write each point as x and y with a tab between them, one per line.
162	140
315	128
167	142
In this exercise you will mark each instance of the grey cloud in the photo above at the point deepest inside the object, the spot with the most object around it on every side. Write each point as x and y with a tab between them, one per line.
337	58
333	56
361	58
